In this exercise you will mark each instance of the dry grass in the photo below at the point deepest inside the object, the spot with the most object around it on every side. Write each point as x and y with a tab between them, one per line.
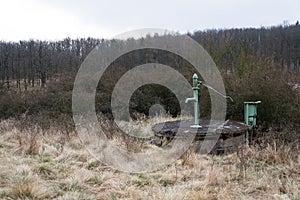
47	164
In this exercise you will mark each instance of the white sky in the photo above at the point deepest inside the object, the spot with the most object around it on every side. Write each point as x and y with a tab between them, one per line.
58	19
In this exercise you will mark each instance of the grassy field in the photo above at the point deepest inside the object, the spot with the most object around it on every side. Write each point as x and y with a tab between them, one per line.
48	164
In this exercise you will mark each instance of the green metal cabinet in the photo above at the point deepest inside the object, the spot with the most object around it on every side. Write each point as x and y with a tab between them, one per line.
250	113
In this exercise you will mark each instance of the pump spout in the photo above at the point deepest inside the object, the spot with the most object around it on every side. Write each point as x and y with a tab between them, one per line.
190	99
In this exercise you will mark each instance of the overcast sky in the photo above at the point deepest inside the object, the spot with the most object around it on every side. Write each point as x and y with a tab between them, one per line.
57	19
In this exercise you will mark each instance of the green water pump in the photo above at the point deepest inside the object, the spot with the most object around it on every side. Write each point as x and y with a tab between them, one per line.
195	98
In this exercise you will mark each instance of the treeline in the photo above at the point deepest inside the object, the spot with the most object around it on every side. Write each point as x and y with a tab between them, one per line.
28	63
242	50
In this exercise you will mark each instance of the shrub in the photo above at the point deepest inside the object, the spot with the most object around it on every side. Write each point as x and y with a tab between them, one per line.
280	103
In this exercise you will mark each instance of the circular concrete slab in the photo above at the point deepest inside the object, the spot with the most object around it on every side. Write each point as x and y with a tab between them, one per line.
226	129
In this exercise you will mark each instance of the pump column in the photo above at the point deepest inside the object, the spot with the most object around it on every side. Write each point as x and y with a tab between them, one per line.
195	100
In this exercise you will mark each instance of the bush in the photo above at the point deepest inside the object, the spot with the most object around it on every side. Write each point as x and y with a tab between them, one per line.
280	103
